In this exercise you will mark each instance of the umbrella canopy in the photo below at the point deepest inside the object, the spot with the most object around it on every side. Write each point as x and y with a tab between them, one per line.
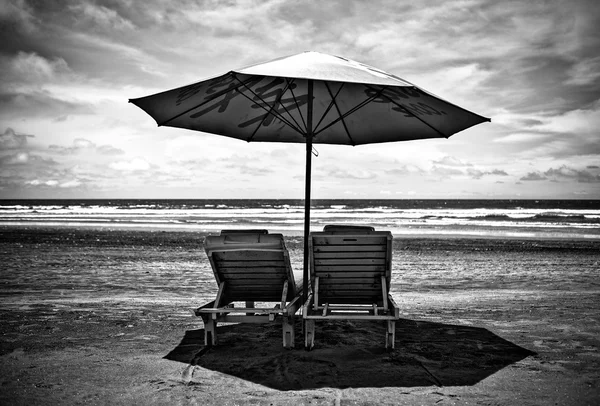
310	98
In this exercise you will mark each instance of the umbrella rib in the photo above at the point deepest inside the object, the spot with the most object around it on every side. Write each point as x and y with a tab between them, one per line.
352	110
333	101
410	112
208	100
275	113
275	103
298	126
297	105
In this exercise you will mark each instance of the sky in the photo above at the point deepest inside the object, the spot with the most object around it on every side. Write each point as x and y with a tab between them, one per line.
68	69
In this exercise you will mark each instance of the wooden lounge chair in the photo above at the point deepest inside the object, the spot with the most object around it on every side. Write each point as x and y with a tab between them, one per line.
250	266
350	270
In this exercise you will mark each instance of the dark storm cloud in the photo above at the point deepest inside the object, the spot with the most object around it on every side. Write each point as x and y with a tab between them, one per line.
24	81
12	140
38	104
565	173
571	174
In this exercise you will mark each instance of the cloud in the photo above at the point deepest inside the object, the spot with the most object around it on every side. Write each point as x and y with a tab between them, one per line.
19	158
569	134
136	164
567	173
585	72
478	174
405	170
37	182
533	176
236	164
81	145
25	170
573	121
17	15
339	173
74	183
451	161
28	73
26	167
524	138
37	104
189	164
11	140
26	158
35	86
252	170
54	183
28	68
100	18
445	172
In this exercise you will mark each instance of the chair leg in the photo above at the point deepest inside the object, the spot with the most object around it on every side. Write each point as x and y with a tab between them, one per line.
250	305
210	332
309	334
288	332
390	336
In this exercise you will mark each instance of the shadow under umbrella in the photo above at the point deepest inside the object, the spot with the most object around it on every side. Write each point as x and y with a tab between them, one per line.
349	354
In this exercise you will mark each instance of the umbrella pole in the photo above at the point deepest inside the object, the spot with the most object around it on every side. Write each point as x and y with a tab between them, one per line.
309	136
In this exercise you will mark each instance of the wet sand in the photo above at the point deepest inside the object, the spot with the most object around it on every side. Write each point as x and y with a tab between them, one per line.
103	317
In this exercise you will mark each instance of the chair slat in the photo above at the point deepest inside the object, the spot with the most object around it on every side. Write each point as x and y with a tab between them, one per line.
348	280
248	255
248	275
257	282
348	255
355	248
340	273
273	270
249	264
344	240
351	268
352	261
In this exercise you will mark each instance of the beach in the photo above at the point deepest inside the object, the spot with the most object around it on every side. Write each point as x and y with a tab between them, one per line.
95	315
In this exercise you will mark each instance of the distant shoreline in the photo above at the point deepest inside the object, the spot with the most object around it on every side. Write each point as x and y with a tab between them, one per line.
202	230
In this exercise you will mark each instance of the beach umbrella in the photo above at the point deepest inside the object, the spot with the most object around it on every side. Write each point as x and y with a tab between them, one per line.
310	98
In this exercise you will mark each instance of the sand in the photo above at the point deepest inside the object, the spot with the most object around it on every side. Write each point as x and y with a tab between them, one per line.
104	317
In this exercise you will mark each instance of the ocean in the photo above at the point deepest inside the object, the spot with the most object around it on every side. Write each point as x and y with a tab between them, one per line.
566	219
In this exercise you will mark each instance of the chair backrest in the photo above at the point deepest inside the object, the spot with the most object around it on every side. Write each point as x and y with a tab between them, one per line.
343	228
350	265
253	266
237	231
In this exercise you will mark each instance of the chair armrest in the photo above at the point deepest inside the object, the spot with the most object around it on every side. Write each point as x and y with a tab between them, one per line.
394	309
293	306
208	305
